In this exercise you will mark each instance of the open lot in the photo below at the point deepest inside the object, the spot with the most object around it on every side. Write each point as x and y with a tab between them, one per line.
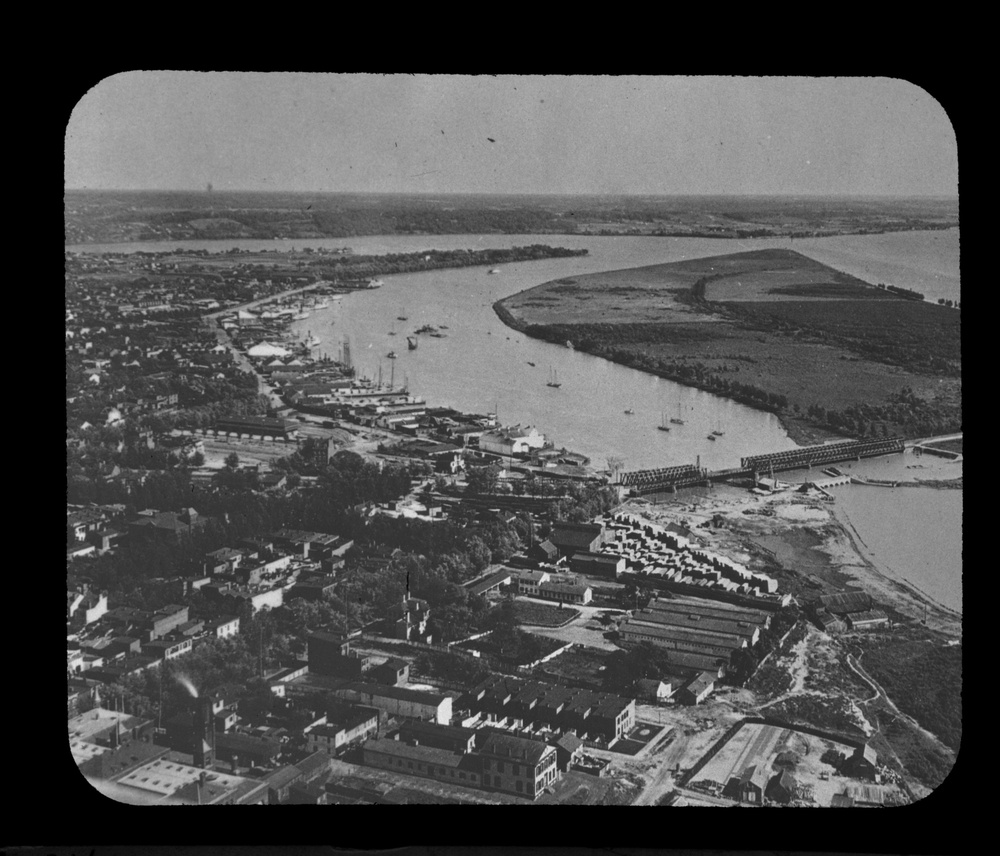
583	630
545	615
580	666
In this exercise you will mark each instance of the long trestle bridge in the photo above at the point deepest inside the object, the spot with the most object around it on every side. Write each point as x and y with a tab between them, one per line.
669	479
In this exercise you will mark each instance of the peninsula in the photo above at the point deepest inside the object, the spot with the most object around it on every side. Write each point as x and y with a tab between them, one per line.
829	354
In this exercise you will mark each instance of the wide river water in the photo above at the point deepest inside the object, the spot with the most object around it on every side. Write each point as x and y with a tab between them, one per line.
482	365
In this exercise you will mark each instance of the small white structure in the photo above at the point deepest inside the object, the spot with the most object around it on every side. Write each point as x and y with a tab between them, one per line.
267	349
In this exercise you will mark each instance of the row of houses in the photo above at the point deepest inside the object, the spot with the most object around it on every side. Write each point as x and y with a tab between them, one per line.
597	716
673	559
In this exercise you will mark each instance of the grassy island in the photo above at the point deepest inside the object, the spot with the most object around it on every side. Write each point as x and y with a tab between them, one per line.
774	329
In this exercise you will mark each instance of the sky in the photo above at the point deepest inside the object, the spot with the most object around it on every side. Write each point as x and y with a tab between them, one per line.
167	130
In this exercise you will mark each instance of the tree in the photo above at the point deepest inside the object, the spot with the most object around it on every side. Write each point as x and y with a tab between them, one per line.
232	460
483	479
197	460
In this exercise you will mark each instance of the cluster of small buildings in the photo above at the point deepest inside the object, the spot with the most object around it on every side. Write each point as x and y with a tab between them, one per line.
106	644
758	785
836	613
677	563
185	763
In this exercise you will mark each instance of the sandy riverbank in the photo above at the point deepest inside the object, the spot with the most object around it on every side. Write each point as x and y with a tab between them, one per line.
858	561
780	515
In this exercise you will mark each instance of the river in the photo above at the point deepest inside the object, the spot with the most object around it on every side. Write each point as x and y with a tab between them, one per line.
910	532
482	365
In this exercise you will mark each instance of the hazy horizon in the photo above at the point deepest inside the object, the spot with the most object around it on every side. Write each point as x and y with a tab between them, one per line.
237	190
512	135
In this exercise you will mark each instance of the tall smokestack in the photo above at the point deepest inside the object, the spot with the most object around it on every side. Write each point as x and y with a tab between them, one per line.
204	732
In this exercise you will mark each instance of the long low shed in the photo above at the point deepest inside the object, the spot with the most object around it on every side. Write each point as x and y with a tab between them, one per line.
729	631
674	637
711	609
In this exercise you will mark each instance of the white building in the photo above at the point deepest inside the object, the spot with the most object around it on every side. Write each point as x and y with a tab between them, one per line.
511	441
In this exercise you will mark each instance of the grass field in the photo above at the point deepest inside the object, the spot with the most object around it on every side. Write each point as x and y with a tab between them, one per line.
542	615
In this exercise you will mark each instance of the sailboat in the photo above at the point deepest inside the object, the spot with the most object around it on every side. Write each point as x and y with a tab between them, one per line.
678	420
411	342
663	423
553	382
719	433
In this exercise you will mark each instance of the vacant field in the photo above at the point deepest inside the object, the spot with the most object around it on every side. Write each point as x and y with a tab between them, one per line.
577	667
778	285
539	614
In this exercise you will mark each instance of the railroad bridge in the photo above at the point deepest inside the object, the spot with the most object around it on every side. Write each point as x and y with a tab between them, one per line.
669	479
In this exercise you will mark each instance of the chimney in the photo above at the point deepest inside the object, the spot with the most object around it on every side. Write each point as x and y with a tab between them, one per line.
204	732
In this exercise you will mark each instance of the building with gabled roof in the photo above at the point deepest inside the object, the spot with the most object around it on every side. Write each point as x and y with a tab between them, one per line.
598	715
397	701
453	738
571	538
516	765
749	786
782	788
569	749
421	760
863	763
698	690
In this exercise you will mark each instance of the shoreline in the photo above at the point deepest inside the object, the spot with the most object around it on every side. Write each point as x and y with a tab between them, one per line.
886	575
926	227
794	427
